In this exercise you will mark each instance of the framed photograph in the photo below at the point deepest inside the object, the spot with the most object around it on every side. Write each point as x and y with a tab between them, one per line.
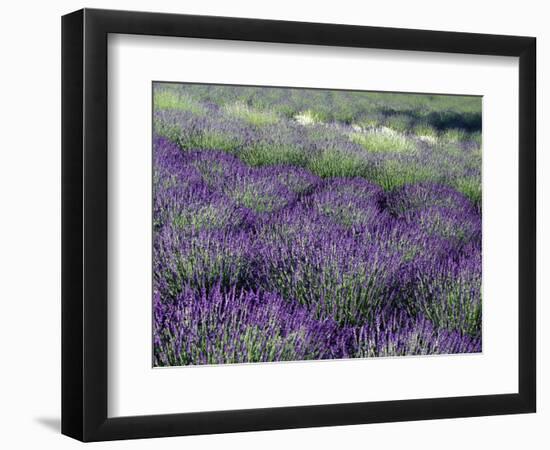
273	225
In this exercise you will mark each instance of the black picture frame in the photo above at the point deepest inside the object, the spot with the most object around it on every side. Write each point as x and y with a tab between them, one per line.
84	224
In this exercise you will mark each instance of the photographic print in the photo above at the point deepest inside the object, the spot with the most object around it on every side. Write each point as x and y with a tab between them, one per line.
294	224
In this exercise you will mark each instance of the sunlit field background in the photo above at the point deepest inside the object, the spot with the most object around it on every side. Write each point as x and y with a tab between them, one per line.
299	224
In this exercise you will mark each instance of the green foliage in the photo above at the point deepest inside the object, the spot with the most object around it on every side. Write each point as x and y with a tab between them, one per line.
471	188
399	122
168	130
268	154
455	135
251	116
425	130
207	139
383	141
310	117
172	99
336	163
476	137
393	174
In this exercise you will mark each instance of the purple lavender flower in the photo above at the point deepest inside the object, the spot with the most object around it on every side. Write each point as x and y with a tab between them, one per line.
412	197
354	203
447	291
399	334
234	326
319	264
201	259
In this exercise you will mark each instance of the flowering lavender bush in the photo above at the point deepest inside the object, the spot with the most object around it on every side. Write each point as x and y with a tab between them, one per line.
302	224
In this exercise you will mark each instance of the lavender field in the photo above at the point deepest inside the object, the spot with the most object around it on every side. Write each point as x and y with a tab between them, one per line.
295	224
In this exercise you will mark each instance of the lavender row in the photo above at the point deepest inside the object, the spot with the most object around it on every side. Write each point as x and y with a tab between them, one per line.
254	326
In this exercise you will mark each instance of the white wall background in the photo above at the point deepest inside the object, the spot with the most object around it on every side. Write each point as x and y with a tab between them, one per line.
30	192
